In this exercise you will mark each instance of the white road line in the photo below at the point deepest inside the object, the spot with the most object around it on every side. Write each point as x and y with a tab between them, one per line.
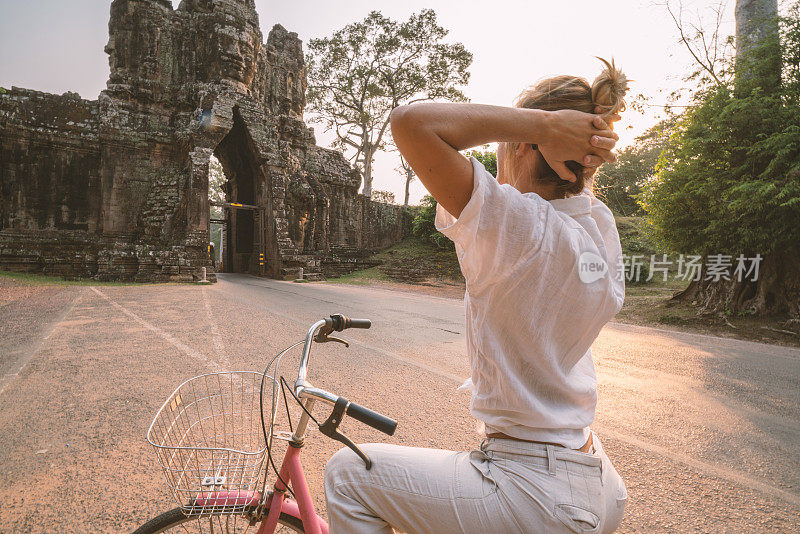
710	469
189	351
775	350
429	368
26	358
215	334
713	470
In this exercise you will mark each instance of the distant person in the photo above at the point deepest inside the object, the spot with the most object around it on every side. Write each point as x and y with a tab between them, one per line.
541	257
212	255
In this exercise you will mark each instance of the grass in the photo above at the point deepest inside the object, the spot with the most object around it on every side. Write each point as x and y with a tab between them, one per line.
363	277
647	304
412	248
31	279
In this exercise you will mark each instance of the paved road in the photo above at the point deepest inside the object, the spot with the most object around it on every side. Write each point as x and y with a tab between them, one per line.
704	430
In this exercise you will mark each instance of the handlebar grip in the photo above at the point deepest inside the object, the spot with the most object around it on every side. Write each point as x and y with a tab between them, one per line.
360	323
341	322
373	419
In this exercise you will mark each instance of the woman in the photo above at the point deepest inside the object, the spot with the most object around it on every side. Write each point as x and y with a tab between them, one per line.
541	258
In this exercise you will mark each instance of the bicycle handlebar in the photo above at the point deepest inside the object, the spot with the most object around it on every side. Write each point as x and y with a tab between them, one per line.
323	327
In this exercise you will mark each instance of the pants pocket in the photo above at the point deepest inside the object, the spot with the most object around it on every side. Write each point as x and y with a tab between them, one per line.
474	480
577	519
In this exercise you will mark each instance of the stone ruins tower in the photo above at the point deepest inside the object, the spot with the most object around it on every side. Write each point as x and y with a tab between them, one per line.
117	188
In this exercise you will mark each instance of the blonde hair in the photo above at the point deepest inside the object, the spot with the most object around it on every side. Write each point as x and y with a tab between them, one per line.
571	92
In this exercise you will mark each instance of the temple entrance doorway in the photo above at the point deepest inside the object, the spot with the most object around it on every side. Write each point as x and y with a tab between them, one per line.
238	210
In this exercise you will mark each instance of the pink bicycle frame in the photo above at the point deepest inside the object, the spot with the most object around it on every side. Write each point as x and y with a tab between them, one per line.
291	470
303	509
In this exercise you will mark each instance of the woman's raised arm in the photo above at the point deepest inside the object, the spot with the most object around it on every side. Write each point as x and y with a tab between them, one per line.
430	136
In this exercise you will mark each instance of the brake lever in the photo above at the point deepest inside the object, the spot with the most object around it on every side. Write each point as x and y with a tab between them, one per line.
324	338
322	334
342	341
330	426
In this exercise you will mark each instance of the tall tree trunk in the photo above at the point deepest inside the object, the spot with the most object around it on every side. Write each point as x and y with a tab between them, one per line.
776	291
409	177
368	155
757	26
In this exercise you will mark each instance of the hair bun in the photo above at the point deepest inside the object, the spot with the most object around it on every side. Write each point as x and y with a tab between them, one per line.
609	88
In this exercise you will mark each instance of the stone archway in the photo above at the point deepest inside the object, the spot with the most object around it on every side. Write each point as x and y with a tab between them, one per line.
249	234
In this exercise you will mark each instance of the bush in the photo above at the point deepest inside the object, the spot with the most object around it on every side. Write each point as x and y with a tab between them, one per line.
631	278
633	236
387	197
425	228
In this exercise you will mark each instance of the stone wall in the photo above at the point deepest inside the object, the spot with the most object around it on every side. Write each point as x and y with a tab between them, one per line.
50	161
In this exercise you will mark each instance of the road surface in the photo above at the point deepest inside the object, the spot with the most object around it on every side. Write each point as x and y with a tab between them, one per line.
704	430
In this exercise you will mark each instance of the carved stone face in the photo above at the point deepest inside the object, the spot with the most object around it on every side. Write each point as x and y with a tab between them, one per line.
138	39
237	47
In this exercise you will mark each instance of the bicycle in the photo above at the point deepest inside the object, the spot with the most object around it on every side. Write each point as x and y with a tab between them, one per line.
212	457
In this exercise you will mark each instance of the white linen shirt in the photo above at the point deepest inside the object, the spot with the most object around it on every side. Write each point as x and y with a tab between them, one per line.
537	296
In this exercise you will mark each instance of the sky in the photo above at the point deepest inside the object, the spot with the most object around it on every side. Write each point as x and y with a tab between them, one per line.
57	46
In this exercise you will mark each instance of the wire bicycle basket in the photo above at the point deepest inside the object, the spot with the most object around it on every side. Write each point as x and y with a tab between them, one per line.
209	443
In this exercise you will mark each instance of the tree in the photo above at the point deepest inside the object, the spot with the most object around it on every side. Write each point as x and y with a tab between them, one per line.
408	173
711	52
619	183
487	157
424	225
216	186
363	71
216	193
728	182
387	197
757	28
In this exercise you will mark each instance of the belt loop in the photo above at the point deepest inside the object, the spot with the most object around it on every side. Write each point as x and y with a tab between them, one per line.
596	446
551	459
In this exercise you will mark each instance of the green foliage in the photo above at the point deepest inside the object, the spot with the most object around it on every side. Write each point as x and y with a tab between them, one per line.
635	244
487	157
633	236
425	228
728	180
619	183
216	186
387	197
363	71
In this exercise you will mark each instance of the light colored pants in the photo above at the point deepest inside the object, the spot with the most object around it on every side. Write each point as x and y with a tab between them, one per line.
505	486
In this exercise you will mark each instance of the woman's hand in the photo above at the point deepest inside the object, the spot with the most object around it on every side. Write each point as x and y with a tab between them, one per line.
593	162
576	136
430	135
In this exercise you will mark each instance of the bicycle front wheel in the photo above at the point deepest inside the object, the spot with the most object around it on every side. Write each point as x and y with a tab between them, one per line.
176	521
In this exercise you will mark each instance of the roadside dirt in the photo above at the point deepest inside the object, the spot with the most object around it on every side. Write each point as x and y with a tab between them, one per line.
27	312
12	290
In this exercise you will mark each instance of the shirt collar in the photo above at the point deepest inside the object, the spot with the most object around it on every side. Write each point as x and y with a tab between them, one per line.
573	206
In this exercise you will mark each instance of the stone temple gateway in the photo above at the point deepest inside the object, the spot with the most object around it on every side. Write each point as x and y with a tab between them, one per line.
117	188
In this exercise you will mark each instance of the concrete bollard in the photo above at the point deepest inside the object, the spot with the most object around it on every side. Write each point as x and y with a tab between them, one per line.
203	279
